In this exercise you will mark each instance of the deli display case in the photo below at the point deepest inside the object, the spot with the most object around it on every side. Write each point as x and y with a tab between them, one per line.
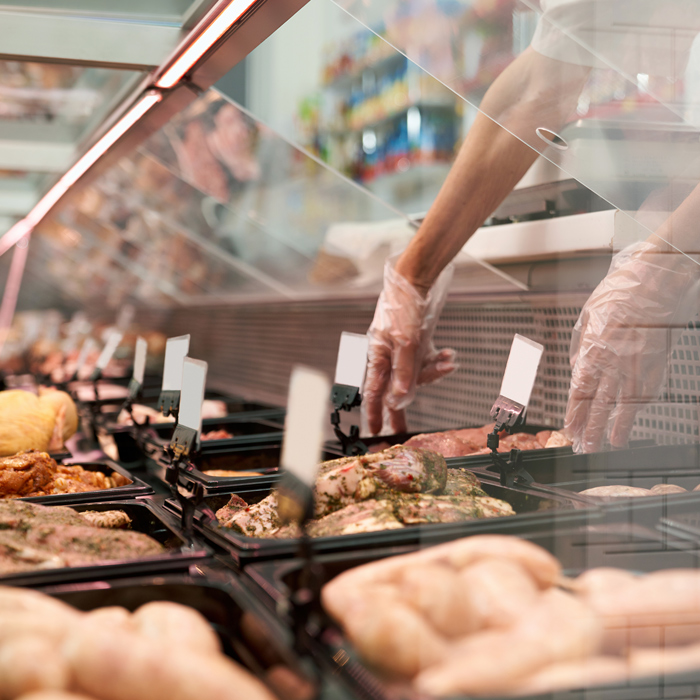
248	174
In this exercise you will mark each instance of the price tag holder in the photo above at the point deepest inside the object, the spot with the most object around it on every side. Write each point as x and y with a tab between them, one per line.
518	381
347	390
307	407
89	346
176	350
511	405
194	380
115	337
140	354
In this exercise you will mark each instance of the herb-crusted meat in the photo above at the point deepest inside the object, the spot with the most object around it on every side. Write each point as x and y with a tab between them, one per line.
383	491
39	537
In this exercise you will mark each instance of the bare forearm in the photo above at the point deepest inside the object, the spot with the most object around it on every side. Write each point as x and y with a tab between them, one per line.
533	92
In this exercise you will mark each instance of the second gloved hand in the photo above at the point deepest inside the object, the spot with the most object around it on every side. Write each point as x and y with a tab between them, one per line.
622	339
401	351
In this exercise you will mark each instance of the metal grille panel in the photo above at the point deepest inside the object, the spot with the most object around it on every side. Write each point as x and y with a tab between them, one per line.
252	349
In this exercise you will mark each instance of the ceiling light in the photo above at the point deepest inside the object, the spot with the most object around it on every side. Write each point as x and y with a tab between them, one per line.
203	42
50	199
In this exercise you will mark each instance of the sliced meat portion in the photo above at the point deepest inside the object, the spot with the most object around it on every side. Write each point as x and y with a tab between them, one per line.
462	482
113	519
235	504
256	520
369	516
409	470
660	489
413	509
615	491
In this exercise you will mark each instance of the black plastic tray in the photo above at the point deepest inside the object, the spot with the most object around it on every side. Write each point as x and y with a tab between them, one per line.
106	466
537	510
135	442
635	549
224	601
147	519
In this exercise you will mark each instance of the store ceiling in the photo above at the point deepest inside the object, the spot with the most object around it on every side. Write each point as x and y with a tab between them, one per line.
64	67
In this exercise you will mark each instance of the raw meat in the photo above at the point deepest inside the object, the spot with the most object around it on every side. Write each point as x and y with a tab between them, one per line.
667	488
388	490
217	435
38	537
472	441
347	480
616	492
37	474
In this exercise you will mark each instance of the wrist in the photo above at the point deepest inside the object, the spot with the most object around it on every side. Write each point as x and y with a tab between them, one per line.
413	275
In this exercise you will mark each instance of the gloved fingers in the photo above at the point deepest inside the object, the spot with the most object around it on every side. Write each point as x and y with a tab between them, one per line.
403	376
397	420
438	366
376	384
599	412
585	378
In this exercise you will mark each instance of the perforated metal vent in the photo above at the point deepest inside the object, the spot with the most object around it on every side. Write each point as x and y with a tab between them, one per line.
251	351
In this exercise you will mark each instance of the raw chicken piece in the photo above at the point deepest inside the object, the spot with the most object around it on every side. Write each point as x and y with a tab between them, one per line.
500	591
477	666
584	673
557	439
660	489
448	444
609	492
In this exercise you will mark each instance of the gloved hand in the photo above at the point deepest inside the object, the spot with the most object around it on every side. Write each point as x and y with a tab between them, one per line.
622	339
401	352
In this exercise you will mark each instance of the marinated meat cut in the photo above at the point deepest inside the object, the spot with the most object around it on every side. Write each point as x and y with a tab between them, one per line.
400	486
35	473
111	519
26	474
38	537
368	516
471	441
411	470
425	508
217	435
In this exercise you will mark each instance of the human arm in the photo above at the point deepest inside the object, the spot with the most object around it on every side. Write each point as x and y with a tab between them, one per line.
534	91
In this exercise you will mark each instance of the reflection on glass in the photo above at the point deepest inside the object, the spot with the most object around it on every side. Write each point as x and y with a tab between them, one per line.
45	92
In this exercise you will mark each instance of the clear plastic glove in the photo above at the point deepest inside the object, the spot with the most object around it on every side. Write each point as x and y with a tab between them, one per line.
622	339
401	352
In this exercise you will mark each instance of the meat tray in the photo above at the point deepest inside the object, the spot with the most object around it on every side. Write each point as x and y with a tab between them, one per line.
106	466
133	441
578	548
146	518
536	509
641	467
224	601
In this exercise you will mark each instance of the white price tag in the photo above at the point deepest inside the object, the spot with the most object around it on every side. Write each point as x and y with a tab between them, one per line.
115	337
176	350
521	370
194	379
352	360
90	345
307	413
140	359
